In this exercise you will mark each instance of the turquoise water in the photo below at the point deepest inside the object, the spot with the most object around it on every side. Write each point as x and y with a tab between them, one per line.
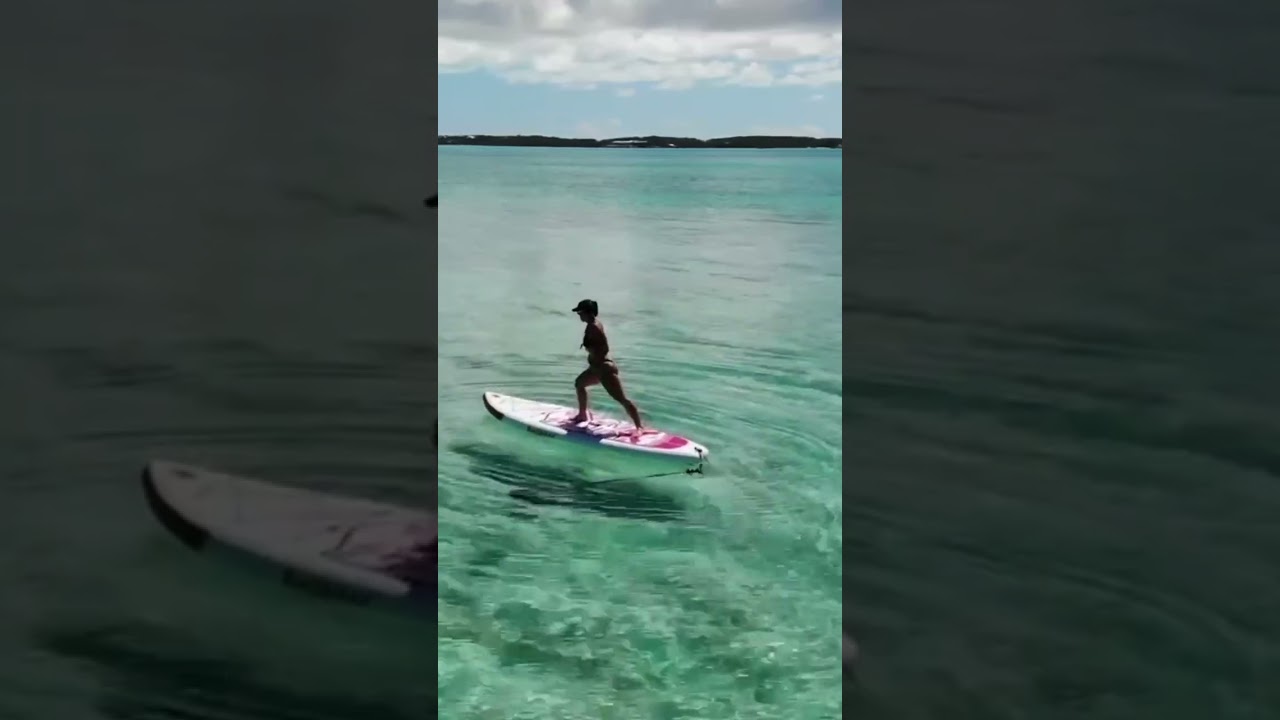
718	277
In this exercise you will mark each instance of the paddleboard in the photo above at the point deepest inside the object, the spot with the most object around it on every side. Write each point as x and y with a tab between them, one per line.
555	421
354	549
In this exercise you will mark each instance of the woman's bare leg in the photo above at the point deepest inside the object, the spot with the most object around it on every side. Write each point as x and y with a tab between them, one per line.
612	383
585	379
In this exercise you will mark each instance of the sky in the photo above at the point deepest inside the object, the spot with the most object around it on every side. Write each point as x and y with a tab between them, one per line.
612	68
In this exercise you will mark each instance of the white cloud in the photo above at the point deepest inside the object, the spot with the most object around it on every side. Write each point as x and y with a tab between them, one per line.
668	44
817	97
626	92
753	74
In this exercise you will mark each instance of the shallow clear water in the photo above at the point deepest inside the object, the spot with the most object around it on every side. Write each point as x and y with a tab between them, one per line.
718	277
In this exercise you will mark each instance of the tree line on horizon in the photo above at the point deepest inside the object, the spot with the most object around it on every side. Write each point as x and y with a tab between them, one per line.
646	141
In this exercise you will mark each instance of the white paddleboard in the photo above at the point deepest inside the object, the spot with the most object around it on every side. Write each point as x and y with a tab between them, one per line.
356	549
555	421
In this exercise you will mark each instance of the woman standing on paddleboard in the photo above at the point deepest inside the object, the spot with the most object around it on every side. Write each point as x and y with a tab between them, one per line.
600	369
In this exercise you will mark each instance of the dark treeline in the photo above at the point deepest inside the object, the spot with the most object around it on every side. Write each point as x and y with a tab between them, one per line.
649	141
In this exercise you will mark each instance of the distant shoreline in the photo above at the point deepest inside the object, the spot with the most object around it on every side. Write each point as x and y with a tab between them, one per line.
756	142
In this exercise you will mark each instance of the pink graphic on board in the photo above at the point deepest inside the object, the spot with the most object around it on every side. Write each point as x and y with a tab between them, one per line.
615	430
414	558
655	439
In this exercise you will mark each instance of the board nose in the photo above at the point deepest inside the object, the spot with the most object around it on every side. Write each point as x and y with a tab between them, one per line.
488	405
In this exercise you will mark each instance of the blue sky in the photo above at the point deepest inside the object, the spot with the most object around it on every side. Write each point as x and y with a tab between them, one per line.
601	68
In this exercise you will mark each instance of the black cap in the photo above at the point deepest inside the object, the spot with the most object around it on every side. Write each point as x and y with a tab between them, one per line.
587	306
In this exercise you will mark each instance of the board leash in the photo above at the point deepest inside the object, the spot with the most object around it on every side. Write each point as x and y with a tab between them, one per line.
697	470
688	471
